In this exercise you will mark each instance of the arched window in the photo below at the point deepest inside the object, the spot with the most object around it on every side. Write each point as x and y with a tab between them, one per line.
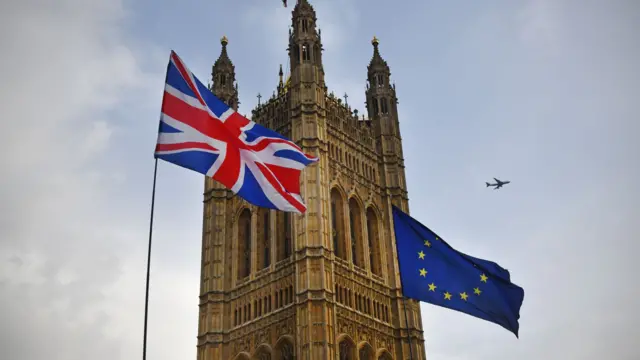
284	350
374	242
296	53
337	225
380	80
244	244
262	353
366	352
264	238
305	53
375	106
284	238
355	221
347	350
385	106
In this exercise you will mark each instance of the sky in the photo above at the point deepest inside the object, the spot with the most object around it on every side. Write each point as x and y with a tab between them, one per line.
540	92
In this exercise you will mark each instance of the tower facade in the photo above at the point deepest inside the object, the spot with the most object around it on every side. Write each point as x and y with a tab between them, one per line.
322	285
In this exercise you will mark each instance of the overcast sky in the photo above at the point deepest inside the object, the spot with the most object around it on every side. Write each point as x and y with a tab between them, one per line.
545	93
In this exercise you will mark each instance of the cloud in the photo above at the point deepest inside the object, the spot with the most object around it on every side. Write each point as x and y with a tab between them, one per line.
542	94
65	68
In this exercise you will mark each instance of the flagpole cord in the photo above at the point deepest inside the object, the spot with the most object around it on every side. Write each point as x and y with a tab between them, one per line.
146	297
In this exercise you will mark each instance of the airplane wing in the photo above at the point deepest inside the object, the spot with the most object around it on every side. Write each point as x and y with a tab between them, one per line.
498	181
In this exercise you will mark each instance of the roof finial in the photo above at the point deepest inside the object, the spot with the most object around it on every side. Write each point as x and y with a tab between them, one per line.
375	41
224	41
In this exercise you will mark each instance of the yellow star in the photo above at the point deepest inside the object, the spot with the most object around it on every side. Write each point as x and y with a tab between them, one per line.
437	238
477	291
432	287
427	243
447	296
423	272
464	296
483	278
421	255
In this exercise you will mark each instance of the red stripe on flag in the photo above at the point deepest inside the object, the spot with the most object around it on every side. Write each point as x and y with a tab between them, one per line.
198	119
280	189
289	178
185	146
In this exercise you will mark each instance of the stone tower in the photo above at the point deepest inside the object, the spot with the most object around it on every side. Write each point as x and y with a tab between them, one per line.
322	285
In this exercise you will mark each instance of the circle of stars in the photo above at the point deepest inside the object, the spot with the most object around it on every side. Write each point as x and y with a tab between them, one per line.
446	294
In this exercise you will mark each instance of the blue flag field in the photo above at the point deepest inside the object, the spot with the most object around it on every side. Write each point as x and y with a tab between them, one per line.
433	272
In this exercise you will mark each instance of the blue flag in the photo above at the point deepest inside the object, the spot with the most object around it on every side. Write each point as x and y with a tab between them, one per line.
433	272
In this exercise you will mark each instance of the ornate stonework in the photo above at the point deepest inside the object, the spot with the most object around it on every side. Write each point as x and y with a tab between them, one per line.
322	285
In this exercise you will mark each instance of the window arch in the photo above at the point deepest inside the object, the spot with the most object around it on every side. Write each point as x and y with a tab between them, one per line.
306	56
366	352
355	222
262	353
374	242
337	225
385	106
284	238
244	244
285	350
346	349
264	238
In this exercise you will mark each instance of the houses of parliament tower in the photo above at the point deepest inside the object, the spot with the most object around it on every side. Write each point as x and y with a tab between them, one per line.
324	284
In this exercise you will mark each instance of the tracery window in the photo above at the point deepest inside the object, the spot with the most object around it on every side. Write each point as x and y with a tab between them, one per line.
337	225
365	353
346	349
244	244
284	238
305	53
374	242
264	240
286	351
355	222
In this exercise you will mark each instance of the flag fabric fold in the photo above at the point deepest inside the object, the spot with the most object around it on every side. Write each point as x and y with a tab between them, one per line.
433	272
198	131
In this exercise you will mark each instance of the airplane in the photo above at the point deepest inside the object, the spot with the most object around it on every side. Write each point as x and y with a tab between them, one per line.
498	184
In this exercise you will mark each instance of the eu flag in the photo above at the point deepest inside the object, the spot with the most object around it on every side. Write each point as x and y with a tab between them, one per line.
434	272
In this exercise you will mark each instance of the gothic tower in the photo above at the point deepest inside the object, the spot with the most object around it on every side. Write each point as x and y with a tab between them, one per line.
322	285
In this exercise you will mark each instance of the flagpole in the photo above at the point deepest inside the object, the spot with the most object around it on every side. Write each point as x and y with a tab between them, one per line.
406	316
146	298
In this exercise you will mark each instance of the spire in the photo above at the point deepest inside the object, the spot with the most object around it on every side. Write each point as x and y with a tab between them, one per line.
377	63
280	83
224	59
223	76
303	5
305	46
381	96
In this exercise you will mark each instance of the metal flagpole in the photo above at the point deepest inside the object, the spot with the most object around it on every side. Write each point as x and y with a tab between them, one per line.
406	319
146	298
